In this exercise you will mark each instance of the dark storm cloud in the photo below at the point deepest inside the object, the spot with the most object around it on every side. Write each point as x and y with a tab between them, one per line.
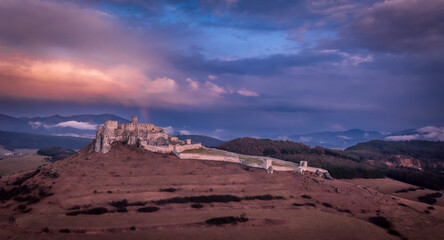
258	66
399	26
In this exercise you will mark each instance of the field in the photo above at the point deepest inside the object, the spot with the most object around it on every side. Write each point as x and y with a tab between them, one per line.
282	205
397	189
11	165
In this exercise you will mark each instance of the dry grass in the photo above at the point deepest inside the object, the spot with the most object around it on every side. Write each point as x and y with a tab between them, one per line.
13	165
137	175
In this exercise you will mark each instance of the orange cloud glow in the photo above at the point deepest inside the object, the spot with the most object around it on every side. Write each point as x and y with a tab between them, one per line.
24	77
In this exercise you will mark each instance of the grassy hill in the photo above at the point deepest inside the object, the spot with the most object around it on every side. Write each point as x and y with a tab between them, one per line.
12	140
376	159
120	195
415	148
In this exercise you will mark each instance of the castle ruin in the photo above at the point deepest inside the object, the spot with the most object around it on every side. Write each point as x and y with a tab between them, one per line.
145	135
155	139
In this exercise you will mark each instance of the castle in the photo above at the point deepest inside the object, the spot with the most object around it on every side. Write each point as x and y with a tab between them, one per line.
155	139
144	135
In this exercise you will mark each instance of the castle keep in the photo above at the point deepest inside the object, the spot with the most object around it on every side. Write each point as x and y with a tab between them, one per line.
144	135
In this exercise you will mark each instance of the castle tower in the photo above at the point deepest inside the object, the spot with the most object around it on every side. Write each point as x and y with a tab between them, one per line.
134	119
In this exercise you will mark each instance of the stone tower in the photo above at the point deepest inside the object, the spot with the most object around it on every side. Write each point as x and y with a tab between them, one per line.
134	119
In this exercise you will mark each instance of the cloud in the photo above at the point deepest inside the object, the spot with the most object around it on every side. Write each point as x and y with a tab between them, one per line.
257	66
247	93
193	85
399	26
59	79
305	139
76	124
218	90
429	133
72	124
185	132
403	137
344	137
35	125
432	133
212	77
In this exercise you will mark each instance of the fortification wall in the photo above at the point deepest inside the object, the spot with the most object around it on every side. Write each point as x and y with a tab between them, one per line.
283	169
200	156
313	169
181	148
250	164
158	149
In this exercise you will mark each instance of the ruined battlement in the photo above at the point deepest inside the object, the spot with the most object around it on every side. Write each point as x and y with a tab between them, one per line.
134	133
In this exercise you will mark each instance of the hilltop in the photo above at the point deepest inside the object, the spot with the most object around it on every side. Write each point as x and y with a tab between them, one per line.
133	193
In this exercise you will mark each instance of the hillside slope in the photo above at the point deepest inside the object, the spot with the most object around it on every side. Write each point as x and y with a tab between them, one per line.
133	193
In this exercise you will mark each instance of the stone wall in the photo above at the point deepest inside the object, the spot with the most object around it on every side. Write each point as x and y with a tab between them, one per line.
158	149
181	148
209	157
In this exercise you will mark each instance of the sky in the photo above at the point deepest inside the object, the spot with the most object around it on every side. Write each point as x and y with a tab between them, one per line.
227	68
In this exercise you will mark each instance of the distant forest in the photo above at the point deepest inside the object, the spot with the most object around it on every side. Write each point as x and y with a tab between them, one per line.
352	162
12	140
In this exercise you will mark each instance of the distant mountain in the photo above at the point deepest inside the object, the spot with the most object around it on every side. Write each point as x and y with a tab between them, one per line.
12	140
344	139
76	126
205	140
340	139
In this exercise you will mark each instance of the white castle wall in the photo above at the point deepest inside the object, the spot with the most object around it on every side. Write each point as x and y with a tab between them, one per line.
181	148
158	149
209	157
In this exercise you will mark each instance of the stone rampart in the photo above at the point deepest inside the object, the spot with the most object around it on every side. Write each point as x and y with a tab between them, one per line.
181	148
158	149
200	156
282	168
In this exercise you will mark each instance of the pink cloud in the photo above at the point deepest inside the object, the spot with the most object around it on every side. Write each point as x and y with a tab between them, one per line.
247	93
57	79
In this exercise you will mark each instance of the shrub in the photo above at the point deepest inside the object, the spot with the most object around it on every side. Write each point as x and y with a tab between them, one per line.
263	197
227	220
310	204
199	199
306	196
167	189
132	228
430	198
92	211
148	209
327	205
45	230
394	232
344	210
197	205
64	230
298	204
380	221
